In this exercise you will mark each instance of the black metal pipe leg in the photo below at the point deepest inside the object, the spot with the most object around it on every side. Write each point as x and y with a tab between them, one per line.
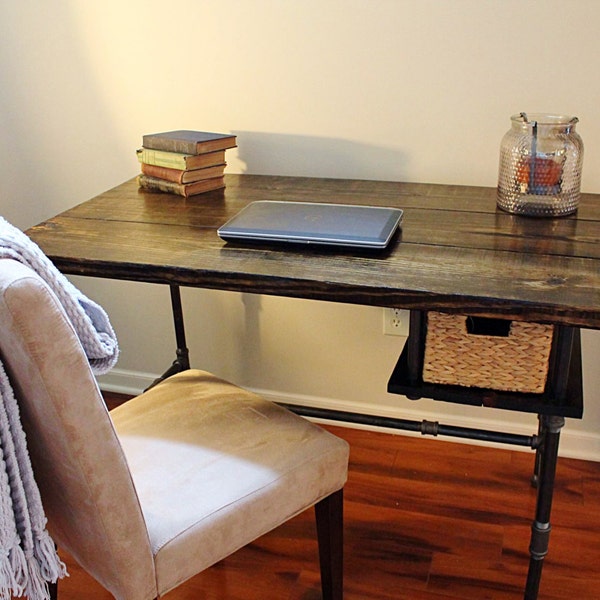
182	360
538	454
540	529
182	351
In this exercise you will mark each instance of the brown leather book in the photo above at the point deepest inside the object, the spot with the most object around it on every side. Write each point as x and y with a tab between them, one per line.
183	176
182	189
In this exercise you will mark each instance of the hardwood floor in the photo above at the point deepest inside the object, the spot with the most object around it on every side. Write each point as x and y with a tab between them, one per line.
425	519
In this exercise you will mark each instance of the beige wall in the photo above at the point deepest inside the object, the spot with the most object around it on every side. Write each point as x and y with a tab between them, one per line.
416	90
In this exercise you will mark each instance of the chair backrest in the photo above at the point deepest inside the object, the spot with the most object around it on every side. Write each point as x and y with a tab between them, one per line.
85	484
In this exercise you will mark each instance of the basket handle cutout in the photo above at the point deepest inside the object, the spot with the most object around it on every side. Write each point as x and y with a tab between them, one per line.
488	326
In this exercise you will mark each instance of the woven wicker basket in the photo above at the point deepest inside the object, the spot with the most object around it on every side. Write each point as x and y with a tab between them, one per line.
517	362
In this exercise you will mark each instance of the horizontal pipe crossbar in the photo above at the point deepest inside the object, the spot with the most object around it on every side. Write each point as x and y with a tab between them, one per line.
423	427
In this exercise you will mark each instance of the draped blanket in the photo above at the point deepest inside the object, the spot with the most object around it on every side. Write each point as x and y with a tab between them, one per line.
28	557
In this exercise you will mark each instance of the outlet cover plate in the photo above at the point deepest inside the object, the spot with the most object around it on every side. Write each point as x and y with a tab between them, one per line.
395	321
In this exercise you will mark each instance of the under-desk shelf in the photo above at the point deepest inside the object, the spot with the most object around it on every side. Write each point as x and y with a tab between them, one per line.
410	384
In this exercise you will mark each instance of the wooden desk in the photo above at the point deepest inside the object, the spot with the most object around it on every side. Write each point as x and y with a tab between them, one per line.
456	253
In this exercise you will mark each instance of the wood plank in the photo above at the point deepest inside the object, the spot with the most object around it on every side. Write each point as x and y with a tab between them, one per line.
425	519
451	220
414	276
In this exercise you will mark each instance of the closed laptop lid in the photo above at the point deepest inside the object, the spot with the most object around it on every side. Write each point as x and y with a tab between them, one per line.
314	222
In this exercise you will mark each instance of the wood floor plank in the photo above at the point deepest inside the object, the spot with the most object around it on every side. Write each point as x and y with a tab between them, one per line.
424	520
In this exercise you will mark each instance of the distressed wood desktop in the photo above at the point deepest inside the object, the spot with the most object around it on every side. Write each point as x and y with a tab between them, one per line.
456	253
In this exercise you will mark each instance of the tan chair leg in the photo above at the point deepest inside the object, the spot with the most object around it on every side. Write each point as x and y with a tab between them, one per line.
330	521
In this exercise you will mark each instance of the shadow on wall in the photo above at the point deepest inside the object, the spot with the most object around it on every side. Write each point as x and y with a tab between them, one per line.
265	153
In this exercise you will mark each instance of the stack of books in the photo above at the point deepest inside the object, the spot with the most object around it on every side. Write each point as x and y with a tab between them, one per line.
184	162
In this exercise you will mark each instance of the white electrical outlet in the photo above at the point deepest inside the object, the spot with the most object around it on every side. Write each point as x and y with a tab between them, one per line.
395	321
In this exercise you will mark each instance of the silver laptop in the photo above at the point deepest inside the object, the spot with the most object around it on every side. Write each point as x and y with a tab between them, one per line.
314	223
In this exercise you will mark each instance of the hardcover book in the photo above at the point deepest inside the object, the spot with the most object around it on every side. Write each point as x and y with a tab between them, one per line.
182	176
182	189
189	142
178	160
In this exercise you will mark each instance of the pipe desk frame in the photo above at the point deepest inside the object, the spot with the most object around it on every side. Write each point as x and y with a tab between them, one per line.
456	253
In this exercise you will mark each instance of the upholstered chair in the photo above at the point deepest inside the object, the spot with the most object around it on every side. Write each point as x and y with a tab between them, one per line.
170	482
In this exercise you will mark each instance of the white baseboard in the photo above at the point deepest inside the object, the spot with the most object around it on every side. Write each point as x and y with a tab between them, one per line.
574	444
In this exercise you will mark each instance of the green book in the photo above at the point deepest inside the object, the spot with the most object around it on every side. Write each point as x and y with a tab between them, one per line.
178	160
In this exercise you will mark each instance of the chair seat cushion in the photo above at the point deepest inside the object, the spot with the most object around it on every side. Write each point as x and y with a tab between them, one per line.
216	466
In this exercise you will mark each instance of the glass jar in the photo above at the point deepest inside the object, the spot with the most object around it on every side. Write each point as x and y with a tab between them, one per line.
540	166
